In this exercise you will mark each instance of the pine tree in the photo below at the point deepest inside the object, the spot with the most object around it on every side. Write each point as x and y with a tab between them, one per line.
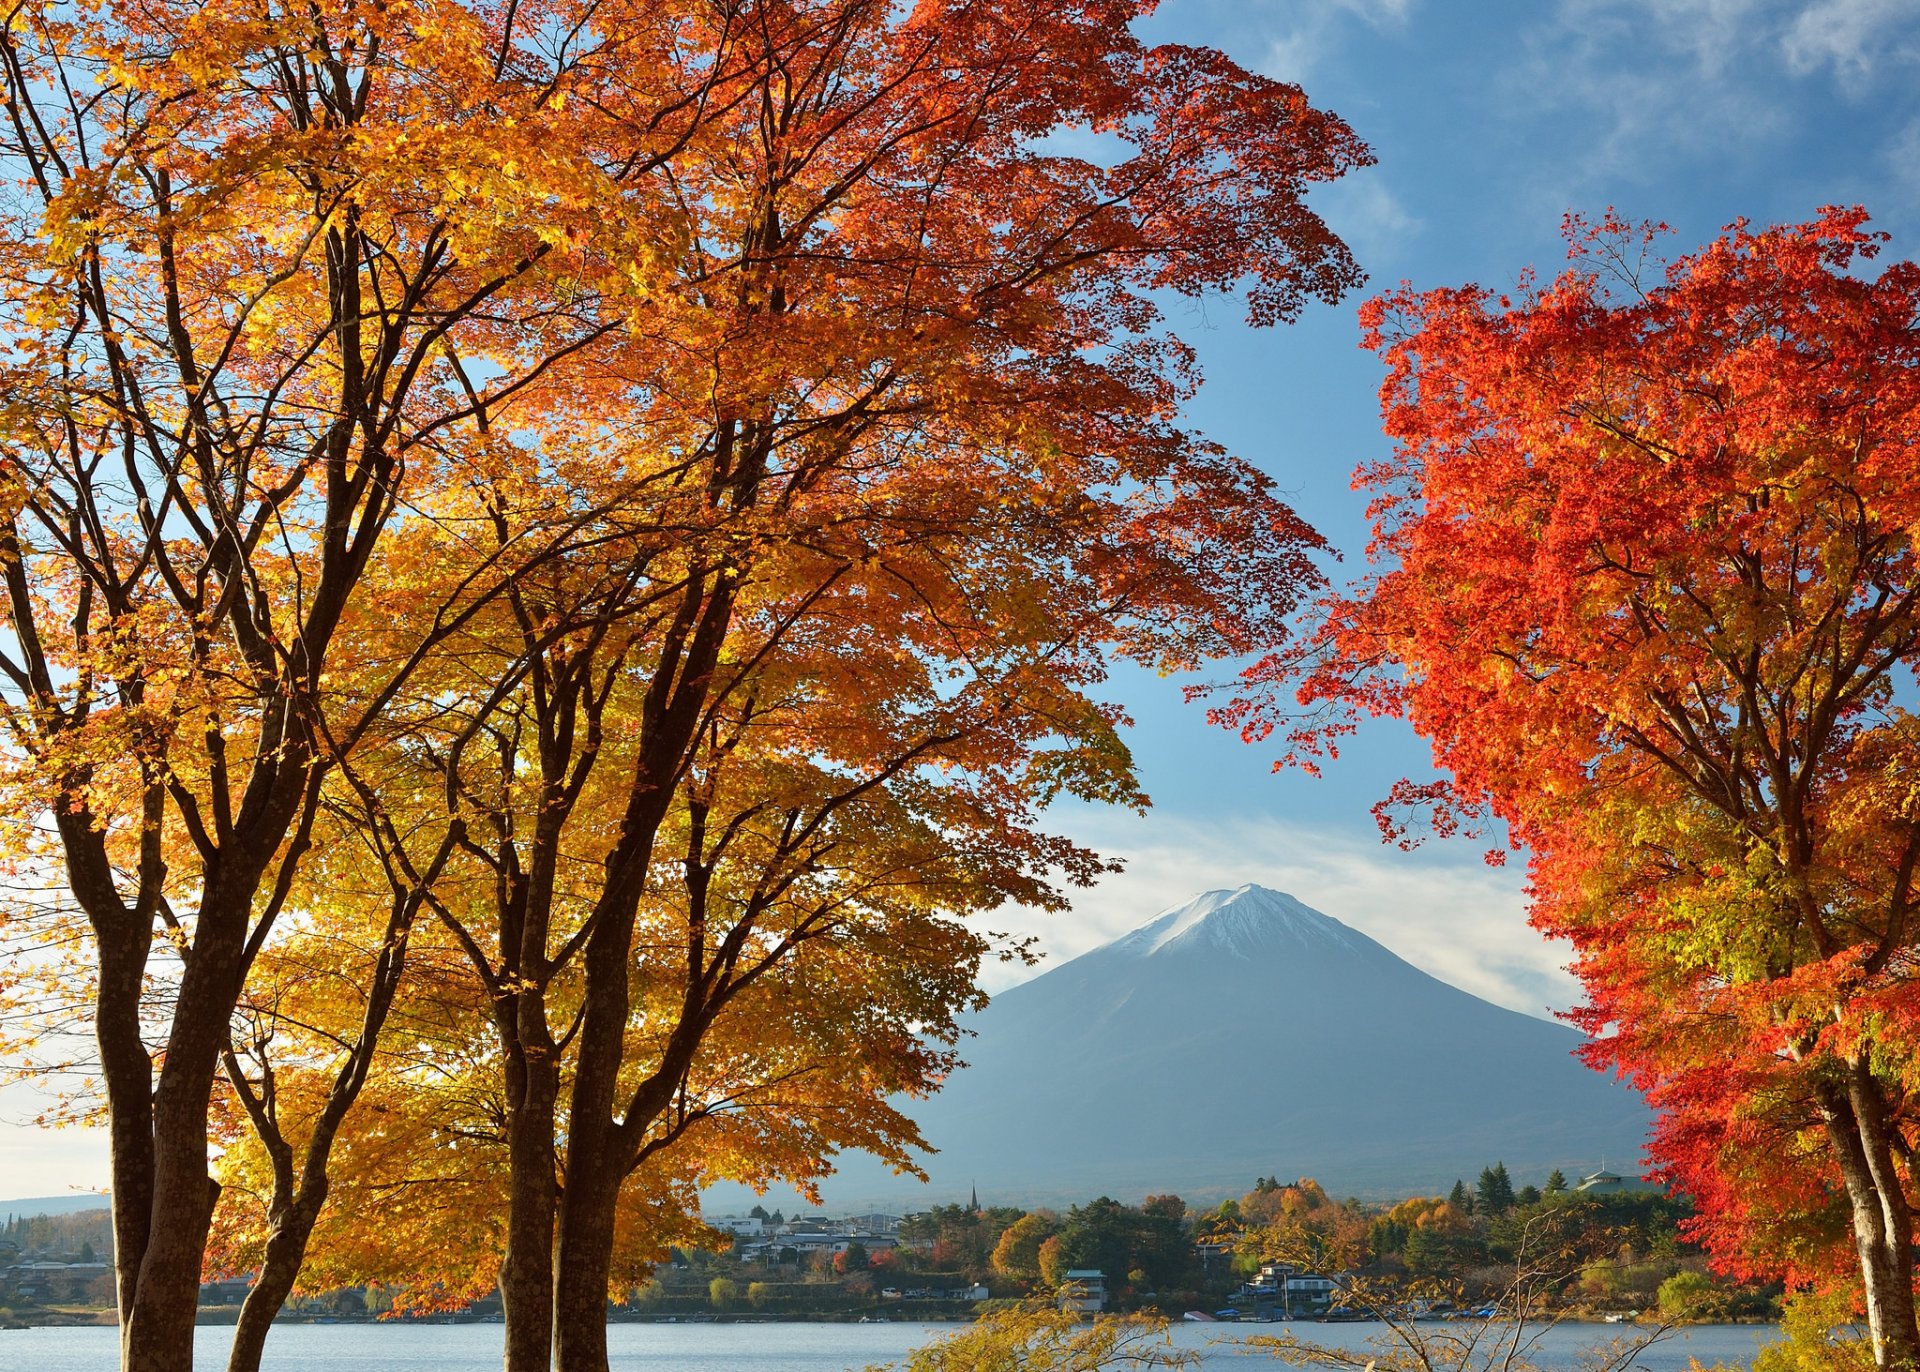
1496	1189
1556	1182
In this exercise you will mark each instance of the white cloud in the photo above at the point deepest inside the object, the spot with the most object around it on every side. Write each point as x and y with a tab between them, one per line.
1647	77
1317	28
1901	158
1450	915
1854	37
1703	78
1371	219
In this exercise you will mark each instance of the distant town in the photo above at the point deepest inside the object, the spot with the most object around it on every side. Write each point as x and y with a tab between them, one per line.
1282	1251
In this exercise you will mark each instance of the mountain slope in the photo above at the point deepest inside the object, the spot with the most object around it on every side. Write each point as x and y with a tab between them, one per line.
29	1207
1244	1034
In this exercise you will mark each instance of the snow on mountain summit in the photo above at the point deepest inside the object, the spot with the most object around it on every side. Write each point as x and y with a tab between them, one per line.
1242	923
1244	1034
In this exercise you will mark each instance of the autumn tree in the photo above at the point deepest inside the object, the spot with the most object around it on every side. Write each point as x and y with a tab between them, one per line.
1301	1225
1017	1254
1041	1337
1053	1261
264	272
292	274
906	424
1647	581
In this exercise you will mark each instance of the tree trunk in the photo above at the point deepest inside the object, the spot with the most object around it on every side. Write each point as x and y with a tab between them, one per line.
127	1071
157	1334
1882	1224
526	1269
1891	1288
593	1173
279	1269
586	1258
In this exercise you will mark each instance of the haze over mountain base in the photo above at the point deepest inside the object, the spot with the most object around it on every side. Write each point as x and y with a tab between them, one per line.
1242	1035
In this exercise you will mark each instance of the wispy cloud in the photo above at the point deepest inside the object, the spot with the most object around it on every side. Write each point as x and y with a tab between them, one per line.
1316	28
1900	161
1703	78
1362	208
1449	915
1647	78
1858	39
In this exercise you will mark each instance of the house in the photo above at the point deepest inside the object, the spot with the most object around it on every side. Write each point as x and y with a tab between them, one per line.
1213	1250
1280	1287
1605	1183
873	1225
226	1291
809	1243
1307	1293
1084	1291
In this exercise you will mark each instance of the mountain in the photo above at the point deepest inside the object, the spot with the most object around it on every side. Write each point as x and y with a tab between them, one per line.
1241	1035
73	1203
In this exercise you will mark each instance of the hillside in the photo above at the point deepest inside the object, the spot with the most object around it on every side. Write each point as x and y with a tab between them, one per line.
1244	1034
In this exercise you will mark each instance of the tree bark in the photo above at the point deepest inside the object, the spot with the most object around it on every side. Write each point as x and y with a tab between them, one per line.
1881	1221
587	1213
127	1071
158	1326
279	1269
526	1268
1899	1344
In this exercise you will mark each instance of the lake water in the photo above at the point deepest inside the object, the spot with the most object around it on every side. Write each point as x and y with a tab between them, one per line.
762	1347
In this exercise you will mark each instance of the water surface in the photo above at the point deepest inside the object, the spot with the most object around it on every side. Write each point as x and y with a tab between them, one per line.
771	1347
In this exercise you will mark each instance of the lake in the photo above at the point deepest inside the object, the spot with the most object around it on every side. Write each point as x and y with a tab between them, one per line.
758	1347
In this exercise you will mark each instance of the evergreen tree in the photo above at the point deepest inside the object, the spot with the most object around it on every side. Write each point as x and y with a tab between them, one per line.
1496	1189
1460	1199
1556	1182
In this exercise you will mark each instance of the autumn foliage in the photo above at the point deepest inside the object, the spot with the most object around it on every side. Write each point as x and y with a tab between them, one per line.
556	553
1646	580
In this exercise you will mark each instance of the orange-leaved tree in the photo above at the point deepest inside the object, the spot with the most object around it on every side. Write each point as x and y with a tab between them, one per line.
265	272
912	413
1647	581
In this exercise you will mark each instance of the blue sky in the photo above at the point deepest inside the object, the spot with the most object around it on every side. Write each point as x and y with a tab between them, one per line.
1490	121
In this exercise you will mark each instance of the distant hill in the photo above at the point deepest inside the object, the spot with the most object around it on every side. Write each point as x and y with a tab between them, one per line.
1242	1035
71	1204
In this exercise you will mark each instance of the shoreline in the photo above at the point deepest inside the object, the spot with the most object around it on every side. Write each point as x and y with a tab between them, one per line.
225	1319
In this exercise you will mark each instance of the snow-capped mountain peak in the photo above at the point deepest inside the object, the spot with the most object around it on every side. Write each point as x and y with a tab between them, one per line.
1241	923
1243	1034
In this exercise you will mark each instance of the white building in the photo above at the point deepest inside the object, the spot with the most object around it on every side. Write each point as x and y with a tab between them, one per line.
1084	1291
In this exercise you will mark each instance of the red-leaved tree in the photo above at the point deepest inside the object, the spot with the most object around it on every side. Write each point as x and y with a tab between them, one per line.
1645	578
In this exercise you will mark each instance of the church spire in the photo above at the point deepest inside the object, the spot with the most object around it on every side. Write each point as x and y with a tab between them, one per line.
973	1201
